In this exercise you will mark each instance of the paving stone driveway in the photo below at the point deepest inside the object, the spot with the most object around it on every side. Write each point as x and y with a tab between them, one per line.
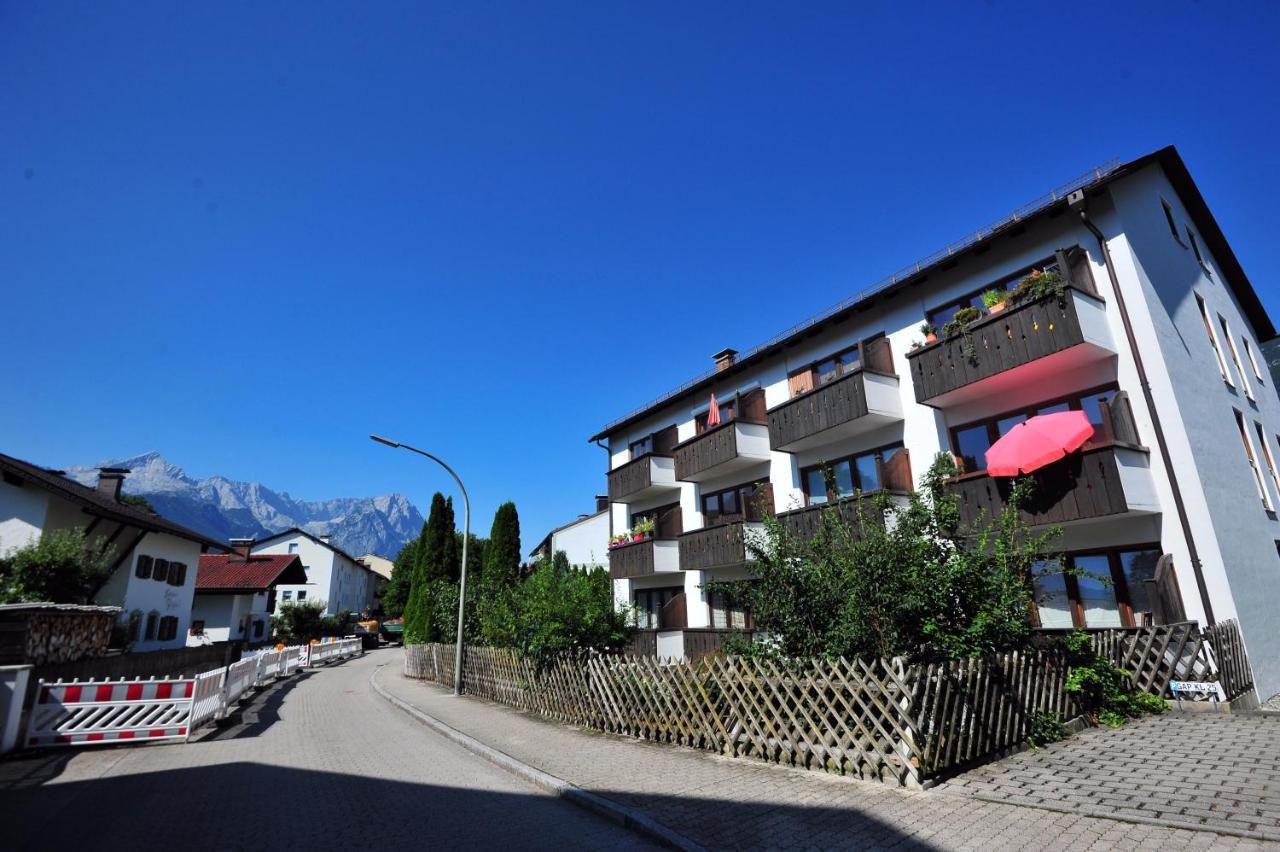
1208	770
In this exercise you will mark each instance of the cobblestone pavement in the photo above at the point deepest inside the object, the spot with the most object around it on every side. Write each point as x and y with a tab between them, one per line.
1217	770
739	804
318	762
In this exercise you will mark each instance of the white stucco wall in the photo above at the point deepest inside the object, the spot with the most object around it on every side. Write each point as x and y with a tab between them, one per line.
342	583
585	542
22	515
125	589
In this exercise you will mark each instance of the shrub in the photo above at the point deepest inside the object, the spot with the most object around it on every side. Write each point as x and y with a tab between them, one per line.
994	297
966	315
1105	690
61	566
299	623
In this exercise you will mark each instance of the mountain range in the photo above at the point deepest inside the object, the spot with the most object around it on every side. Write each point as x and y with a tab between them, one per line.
223	508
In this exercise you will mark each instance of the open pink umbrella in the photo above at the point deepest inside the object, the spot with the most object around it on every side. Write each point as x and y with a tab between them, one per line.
1039	441
713	415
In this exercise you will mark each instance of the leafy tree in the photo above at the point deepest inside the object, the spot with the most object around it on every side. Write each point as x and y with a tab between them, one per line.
558	610
396	593
914	583
298	623
62	567
500	574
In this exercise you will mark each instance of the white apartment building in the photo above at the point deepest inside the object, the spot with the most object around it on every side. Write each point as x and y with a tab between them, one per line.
1156	338
333	575
154	560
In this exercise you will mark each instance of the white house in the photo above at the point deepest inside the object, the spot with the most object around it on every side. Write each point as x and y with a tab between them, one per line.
333	575
1155	337
585	541
236	593
154	567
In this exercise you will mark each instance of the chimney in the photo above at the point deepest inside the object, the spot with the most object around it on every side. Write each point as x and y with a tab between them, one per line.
110	480
724	359
602	502
243	546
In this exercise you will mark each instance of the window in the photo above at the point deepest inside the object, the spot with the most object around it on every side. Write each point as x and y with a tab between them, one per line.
168	628
727	613
667	520
1213	340
160	573
286	596
649	603
727	410
1253	461
302	596
135	625
293	547
827	370
143	569
940	316
866	472
197	628
257	629
1168	217
153	620
741	502
970	442
177	573
1101	588
642	447
1253	360
1267	457
1235	356
1195	248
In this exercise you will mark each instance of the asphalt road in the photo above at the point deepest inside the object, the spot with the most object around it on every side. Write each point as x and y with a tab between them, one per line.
317	762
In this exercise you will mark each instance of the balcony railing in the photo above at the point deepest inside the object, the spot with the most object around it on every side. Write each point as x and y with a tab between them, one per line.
720	546
643	558
950	370
642	477
732	445
803	524
707	641
1109	476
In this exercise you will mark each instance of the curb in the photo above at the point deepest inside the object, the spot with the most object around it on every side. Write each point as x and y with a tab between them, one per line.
599	805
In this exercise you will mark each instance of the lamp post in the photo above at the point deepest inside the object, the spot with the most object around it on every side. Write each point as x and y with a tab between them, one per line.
466	534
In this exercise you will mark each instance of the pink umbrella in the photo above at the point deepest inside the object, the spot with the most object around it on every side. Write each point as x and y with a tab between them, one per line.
1039	441
713	415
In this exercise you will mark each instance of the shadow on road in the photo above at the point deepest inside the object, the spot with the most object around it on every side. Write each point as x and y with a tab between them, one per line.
260	712
256	806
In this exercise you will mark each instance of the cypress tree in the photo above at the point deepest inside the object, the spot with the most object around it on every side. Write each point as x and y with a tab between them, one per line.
431	565
502	553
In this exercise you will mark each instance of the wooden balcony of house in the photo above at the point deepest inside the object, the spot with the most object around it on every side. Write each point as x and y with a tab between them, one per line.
894	476
644	558
1109	476
857	402
643	477
702	642
1024	344
719	546
735	444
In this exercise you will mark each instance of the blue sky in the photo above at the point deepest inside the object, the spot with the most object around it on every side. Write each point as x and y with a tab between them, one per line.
247	234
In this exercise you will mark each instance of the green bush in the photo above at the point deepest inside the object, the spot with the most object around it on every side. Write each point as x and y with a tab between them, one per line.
1105	691
299	623
62	567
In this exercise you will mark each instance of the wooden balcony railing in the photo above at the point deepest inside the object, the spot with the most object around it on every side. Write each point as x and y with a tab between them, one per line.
633	477
713	547
803	524
631	560
707	641
998	343
837	403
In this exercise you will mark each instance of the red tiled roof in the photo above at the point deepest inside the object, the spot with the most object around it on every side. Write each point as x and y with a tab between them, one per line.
230	572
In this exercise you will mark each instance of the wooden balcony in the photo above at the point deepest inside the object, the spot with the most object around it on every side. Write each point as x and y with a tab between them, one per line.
721	546
707	641
1103	480
1023	344
642	478
851	405
644	558
733	445
803	524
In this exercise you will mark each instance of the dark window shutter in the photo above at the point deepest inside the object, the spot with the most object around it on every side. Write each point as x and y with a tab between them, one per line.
144	567
161	572
177	573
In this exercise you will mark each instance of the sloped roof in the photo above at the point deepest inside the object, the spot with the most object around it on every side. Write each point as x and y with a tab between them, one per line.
231	572
292	531
97	503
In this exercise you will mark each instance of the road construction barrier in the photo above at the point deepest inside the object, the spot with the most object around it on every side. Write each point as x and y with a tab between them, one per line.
110	711
106	711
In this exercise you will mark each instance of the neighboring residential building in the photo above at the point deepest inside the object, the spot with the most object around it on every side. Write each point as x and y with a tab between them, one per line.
154	569
333	575
380	567
584	541
1189	471
236	593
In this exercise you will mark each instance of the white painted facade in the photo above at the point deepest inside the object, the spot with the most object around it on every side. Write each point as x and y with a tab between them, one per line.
332	576
585	542
231	616
27	511
1160	277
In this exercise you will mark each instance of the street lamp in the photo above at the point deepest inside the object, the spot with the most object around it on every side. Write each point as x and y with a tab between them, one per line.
466	534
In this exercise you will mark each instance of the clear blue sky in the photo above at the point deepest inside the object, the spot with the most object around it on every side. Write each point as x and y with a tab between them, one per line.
248	234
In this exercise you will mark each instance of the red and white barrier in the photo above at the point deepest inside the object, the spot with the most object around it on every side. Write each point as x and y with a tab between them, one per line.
110	711
206	701
325	652
241	677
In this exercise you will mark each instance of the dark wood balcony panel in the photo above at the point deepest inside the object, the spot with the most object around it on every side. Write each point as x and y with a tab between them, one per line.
833	404
1083	485
643	643
631	560
639	477
713	547
673	616
718	450
803	524
707	641
1001	342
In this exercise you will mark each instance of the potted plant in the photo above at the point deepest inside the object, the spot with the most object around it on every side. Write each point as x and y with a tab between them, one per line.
916	345
644	528
995	301
967	315
930	332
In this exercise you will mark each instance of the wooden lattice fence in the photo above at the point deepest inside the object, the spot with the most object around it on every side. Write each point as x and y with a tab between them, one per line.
880	719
